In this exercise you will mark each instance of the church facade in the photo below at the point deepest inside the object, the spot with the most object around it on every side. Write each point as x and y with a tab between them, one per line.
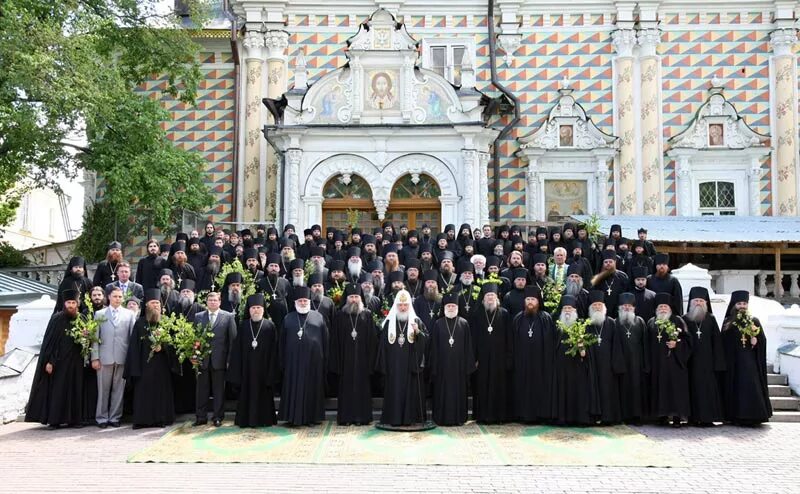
388	111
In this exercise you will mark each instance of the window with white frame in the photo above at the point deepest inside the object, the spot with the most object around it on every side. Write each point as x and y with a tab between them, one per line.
25	213
446	56
717	198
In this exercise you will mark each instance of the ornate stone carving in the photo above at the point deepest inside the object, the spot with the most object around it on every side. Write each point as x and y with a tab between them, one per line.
624	40
253	45
276	44
293	158
782	41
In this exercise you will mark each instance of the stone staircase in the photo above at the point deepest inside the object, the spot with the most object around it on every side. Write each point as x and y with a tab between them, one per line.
785	406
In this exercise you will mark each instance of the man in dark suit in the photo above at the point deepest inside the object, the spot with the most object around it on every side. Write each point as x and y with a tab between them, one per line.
214	367
129	287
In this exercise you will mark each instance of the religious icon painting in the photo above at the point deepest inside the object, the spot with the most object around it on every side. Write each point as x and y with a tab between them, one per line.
382	90
566	136
565	197
716	134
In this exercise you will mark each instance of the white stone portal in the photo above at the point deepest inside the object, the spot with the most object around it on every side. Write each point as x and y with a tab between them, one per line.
382	117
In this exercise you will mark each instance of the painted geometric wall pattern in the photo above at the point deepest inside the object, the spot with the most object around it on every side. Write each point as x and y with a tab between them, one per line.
207	127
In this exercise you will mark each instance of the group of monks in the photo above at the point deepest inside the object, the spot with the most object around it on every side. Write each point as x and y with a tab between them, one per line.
559	328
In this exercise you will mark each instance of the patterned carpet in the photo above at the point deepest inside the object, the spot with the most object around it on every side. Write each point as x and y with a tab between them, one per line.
471	444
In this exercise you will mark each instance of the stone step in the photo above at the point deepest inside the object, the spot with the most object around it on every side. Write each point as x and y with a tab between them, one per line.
785	416
779	390
777	379
785	403
770	368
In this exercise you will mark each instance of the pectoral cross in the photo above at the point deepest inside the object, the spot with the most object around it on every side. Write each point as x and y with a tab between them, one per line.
113	277
466	307
179	281
628	333
530	333
609	291
431	313
699	332
599	340
659	338
212	286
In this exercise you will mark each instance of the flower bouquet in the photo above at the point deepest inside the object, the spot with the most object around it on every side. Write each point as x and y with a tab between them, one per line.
551	294
379	317
335	293
159	336
85	329
667	328
576	337
747	327
192	342
248	281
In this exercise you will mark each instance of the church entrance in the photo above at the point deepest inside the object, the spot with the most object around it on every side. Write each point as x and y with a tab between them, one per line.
415	202
348	202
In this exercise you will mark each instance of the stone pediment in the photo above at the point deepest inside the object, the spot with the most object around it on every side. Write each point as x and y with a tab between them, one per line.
567	128
717	126
382	84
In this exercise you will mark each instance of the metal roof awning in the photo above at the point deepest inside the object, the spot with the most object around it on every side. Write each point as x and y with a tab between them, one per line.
705	229
15	290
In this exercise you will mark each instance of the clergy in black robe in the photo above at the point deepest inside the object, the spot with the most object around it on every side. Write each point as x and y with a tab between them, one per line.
534	347
466	289
645	298
207	276
153	404
634	383
58	382
576	397
149	267
106	271
304	361
611	281
663	282
707	362
183	383
451	361
169	295
514	300
353	347
255	367
232	294
319	302
609	357
197	256
428	306
669	365
179	263
276	290
744	385
574	287
74	279
401	358
492	343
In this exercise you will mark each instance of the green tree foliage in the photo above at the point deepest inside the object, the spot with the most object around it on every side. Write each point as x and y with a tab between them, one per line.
11	257
73	66
98	231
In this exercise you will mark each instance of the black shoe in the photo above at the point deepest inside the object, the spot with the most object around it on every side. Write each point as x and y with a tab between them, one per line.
199	422
102	425
114	424
217	422
52	427
137	426
76	426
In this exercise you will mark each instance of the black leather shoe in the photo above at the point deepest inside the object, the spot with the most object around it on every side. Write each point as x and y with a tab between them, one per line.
114	424
102	425
199	422
217	422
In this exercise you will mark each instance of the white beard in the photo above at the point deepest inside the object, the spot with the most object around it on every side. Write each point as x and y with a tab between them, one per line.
626	317
257	319
696	313
490	306
568	319
354	268
465	282
402	316
298	281
301	310
451	313
367	293
597	317
663	316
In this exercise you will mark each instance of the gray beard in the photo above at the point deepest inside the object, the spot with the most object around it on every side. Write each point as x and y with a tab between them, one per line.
465	282
663	316
353	308
298	281
165	289
368	293
355	269
568	319
490	306
573	288
257	319
696	314
234	297
597	317
627	318
402	316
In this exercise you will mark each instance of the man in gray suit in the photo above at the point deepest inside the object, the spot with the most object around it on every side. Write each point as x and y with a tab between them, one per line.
108	358
212	375
129	287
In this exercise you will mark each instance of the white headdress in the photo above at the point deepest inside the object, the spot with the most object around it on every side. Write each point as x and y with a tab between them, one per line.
391	333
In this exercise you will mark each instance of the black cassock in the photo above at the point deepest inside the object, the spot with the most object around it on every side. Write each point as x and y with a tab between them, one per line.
55	398
255	370
304	360
534	347
451	363
402	366
184	383
514	302
153	403
744	385
634	383
576	396
706	365
493	354
668	284
609	361
669	372
354	344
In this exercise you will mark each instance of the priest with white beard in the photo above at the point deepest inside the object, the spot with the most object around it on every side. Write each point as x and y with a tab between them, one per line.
707	363
303	350
401	360
354	264
634	383
609	358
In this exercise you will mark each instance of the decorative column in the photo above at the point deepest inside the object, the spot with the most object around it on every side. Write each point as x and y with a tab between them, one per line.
483	192
650	120
254	57
784	72
601	176
624	41
468	197
754	184
684	178
276	43
294	157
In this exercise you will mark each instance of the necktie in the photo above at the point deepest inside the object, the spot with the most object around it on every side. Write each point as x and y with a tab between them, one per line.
114	316
124	288
213	318
558	272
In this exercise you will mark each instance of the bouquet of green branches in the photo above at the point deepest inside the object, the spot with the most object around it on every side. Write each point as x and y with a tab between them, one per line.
85	329
248	281
551	294
192	341
159	337
747	327
576	337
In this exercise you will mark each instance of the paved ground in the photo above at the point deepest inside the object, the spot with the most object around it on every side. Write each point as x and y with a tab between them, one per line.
722	459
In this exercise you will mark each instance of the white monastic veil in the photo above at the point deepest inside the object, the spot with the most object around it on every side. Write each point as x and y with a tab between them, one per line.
402	296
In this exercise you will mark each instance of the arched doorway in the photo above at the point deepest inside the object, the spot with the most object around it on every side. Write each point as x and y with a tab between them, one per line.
415	202
344	196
